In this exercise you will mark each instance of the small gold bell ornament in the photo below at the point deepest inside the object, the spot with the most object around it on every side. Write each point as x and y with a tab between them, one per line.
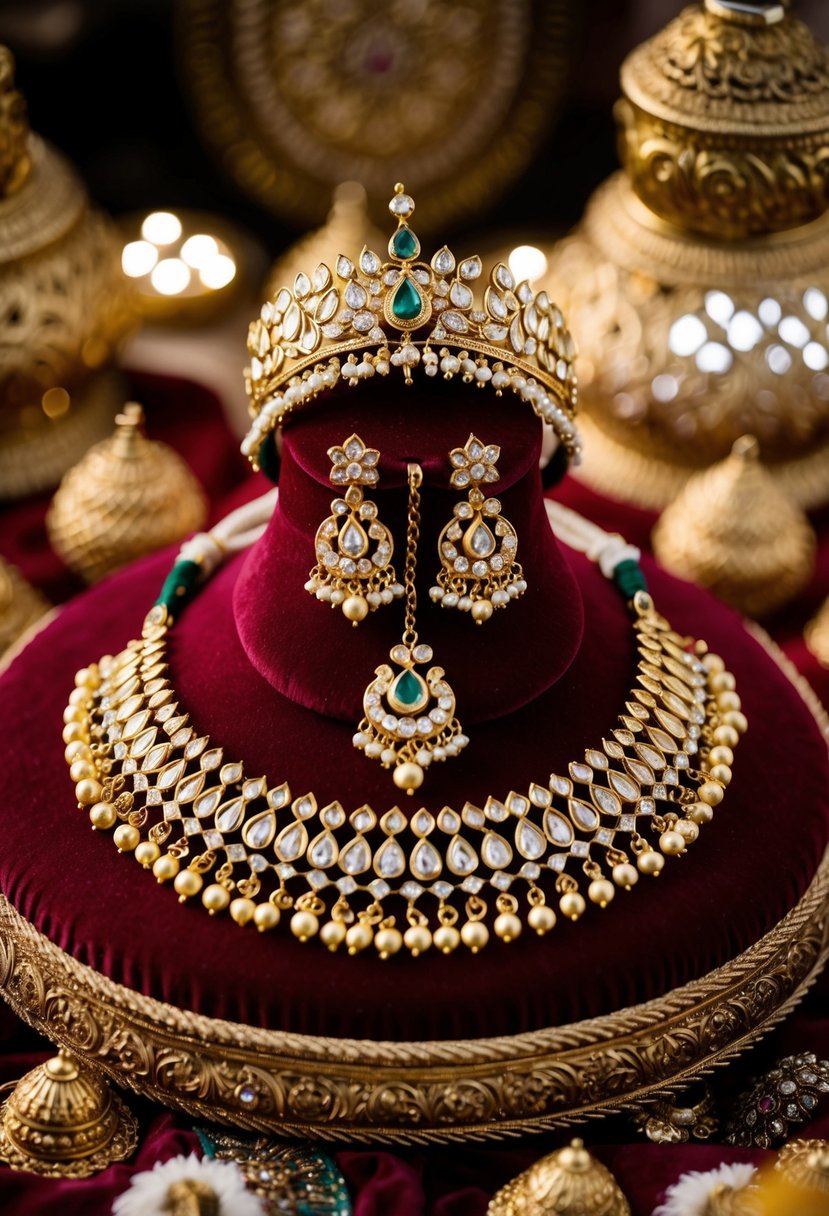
61	1119
568	1182
734	530
128	496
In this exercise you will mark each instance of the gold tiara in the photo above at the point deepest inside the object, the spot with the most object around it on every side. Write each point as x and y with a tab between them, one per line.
372	316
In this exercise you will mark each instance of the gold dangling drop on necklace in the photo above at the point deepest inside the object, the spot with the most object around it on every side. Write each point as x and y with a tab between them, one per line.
410	717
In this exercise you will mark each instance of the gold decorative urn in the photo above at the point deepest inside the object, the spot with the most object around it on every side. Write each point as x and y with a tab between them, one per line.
699	275
64	307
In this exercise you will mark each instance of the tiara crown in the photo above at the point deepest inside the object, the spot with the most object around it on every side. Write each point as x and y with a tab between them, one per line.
372	316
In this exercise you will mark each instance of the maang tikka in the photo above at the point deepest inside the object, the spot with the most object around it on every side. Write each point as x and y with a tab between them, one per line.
478	547
353	548
410	718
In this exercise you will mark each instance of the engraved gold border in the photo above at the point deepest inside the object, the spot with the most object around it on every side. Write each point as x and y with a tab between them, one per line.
434	1091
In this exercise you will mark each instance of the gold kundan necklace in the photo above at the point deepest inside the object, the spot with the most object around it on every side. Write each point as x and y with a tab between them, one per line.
265	852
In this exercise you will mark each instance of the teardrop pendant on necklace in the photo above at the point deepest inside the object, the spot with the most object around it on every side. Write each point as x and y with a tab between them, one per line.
409	693
478	541
353	541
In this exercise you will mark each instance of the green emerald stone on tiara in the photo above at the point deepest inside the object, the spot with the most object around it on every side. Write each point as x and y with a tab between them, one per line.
406	302
404	244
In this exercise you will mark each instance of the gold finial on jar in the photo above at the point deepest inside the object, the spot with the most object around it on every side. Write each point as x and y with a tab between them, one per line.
128	496
61	1119
733	530
568	1182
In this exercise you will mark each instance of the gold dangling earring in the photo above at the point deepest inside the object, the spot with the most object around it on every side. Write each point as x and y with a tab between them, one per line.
353	548
409	718
478	547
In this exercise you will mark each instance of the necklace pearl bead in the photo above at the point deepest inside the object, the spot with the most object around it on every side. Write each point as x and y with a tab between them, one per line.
304	924
541	918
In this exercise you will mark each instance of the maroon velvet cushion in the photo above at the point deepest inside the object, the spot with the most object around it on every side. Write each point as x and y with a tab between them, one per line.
748	868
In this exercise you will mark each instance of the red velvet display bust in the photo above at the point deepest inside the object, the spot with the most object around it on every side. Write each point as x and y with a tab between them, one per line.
277	679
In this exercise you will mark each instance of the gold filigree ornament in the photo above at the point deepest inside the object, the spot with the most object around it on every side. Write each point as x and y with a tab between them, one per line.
373	316
253	846
698	279
63	1120
734	530
569	1182
128	496
353	547
65	308
478	547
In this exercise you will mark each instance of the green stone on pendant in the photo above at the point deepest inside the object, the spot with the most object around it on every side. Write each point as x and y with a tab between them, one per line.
408	693
404	243
406	303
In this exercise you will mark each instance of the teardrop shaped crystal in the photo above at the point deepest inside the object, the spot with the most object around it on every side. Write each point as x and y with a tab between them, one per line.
495	851
409	693
479	540
390	862
170	774
557	829
624	786
189	787
583	815
259	832
461	857
353	541
529	841
605	800
206	803
406	303
355	857
426	862
144	742
230	815
291	842
323	851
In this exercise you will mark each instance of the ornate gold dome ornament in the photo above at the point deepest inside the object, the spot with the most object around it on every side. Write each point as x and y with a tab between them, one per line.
128	496
568	1182
798	1184
64	307
347	227
733	530
454	98
20	605
61	1119
701	271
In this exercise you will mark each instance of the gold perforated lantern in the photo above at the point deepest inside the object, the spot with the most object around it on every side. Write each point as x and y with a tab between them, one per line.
699	276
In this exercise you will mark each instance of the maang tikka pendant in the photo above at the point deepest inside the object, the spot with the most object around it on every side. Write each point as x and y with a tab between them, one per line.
410	717
477	548
353	548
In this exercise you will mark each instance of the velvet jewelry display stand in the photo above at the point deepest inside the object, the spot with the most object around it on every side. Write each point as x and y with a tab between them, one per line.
261	1030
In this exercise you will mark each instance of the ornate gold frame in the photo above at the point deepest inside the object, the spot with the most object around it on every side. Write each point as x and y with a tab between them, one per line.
349	1089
